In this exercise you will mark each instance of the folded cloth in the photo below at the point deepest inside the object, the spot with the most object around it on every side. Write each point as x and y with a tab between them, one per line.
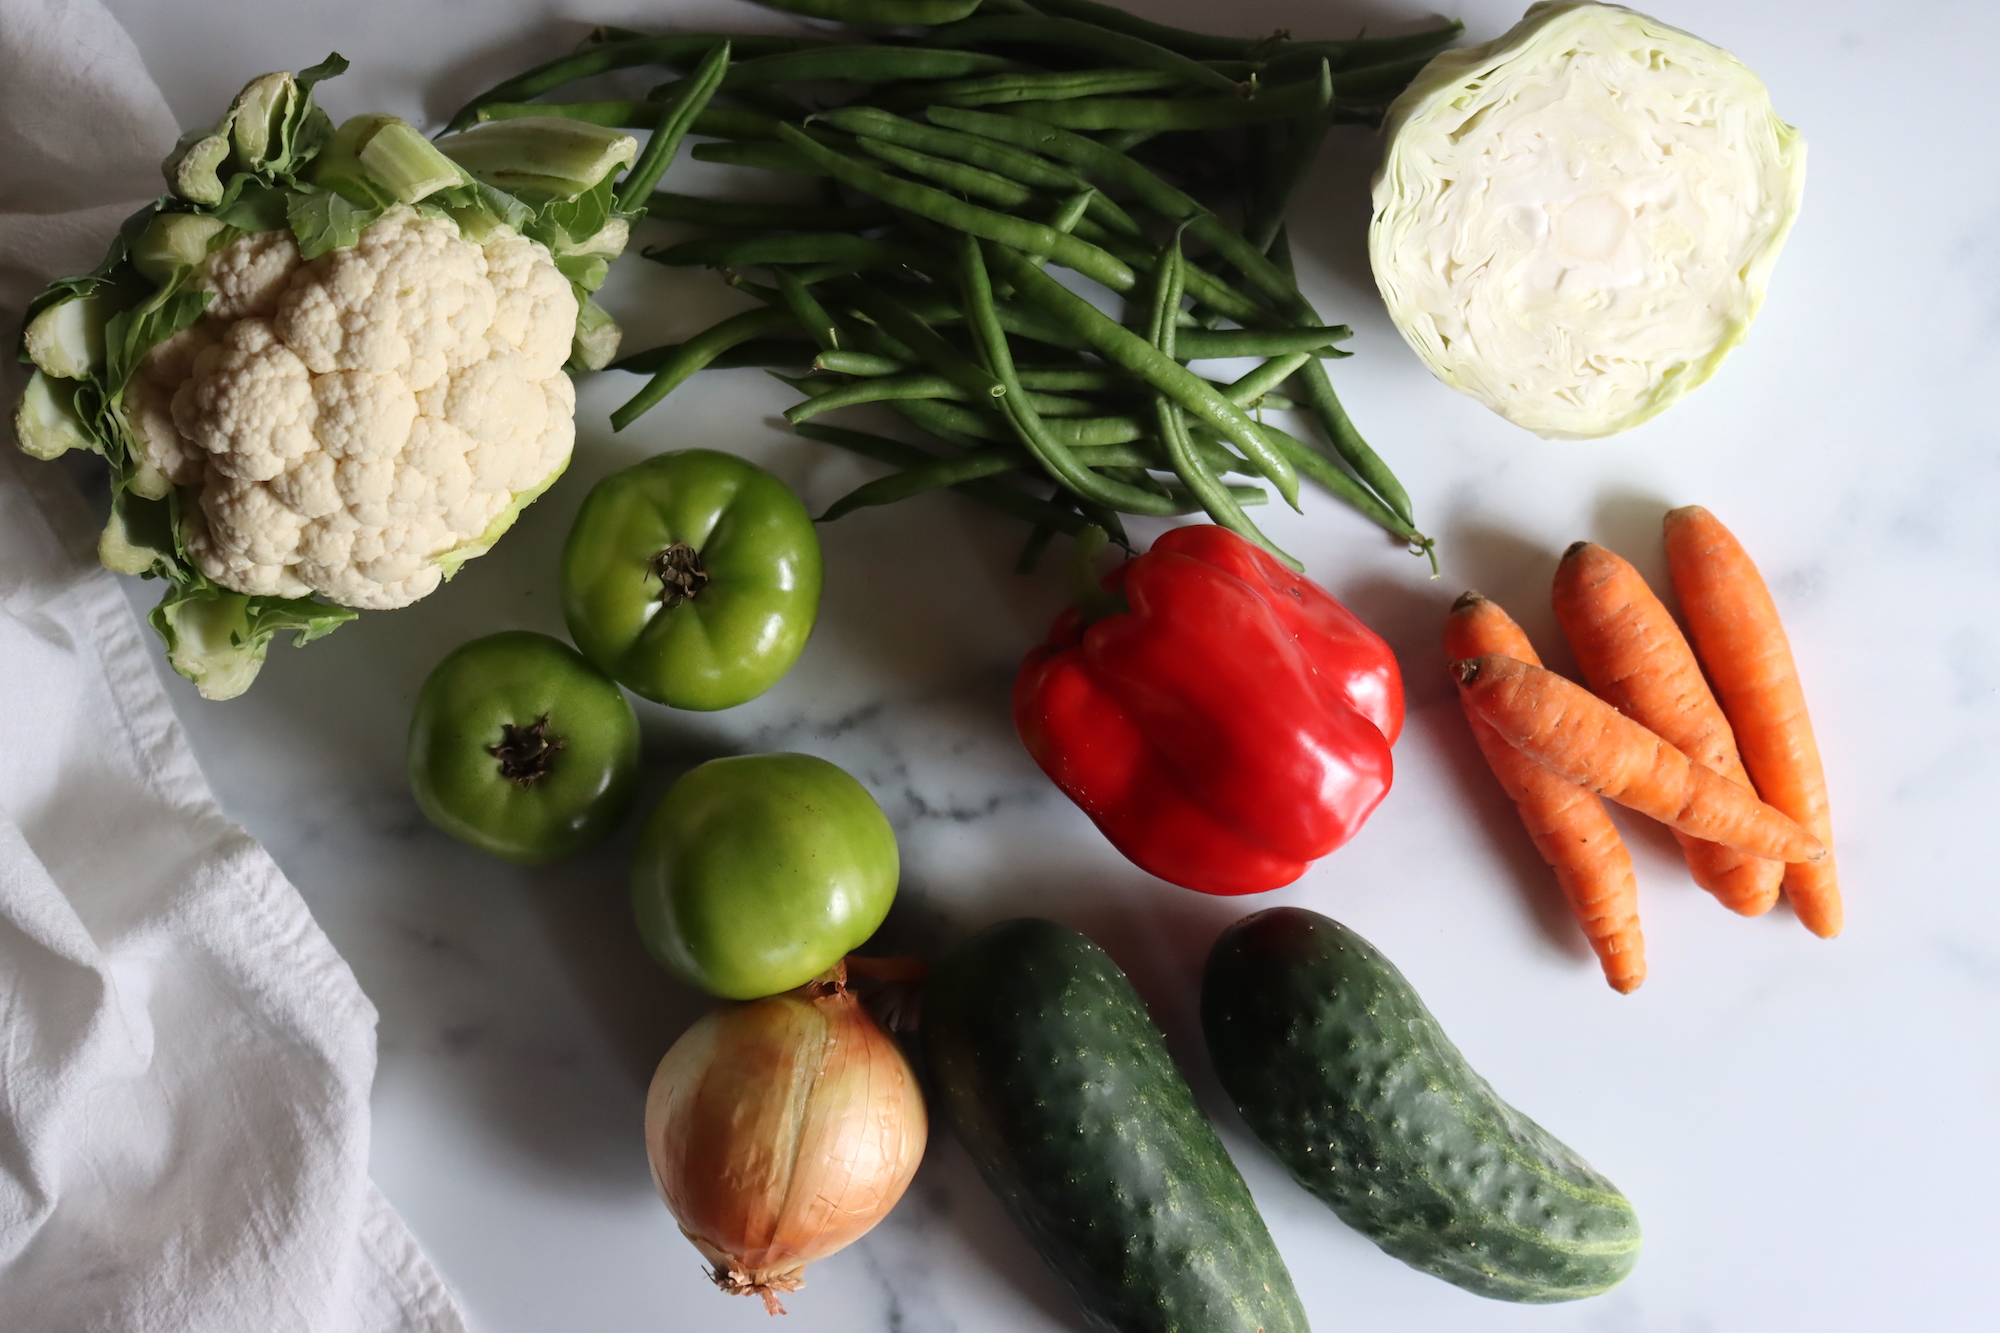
184	1059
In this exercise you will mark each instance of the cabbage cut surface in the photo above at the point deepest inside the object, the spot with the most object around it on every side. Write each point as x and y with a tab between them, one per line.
1576	222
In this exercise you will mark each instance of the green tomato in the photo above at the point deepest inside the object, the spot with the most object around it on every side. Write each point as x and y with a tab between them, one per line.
693	578
523	749
757	873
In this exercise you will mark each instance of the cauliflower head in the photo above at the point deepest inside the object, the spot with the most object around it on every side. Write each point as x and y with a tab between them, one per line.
359	424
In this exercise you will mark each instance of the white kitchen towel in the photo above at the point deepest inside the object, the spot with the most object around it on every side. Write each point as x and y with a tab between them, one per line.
184	1059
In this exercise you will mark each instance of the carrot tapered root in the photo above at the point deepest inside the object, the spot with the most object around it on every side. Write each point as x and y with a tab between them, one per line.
1567	824
1634	658
1736	631
1580	738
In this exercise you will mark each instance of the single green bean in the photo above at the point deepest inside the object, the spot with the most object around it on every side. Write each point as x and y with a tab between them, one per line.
865	64
813	247
1321	469
697	352
1340	431
1070	212
730	215
1124	48
676	117
1212	344
908	329
773	103
1067	216
1051	379
1124	141
940	415
1379	83
1169	284
756	352
1168	114
942	208
886	13
814	274
847	361
807	310
915	481
1356	52
888	388
1058	406
998	494
968	180
996	89
673	49
714	121
874	338
1308	130
759	153
1106	379
1259	382
1120	345
1199	45
1074	379
1146	455
876	390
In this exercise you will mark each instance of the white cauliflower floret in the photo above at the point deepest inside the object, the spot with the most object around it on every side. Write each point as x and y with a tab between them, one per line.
410	298
149	403
249	275
532	295
353	420
249	403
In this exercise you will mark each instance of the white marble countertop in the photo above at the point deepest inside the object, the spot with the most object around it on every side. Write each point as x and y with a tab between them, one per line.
1805	1127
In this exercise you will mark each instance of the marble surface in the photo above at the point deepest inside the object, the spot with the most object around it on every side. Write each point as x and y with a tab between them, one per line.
1805	1127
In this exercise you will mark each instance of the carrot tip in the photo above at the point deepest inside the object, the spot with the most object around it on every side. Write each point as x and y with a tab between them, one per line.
1469	597
1575	547
1465	670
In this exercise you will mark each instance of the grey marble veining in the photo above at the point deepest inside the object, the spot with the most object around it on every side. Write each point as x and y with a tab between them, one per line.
1804	1126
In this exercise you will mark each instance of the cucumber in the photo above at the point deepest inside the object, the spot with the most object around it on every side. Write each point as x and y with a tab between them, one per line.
1049	1071
1343	1074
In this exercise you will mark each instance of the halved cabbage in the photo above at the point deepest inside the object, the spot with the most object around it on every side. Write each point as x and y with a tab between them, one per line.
1576	222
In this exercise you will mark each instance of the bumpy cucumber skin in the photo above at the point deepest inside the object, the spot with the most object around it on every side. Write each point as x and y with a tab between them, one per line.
1052	1075
1342	1072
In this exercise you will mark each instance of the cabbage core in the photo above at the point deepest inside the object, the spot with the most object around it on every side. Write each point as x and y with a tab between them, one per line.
1577	221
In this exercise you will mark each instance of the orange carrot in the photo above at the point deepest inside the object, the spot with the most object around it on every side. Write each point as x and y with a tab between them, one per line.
1634	658
1567	824
1734	624
1580	738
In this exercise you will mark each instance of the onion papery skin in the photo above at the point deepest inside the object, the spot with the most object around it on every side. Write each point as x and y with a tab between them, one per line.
1577	221
780	1130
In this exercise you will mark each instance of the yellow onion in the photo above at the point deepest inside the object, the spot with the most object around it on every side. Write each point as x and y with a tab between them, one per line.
781	1130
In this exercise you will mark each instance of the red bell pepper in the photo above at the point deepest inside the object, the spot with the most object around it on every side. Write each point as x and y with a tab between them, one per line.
1230	729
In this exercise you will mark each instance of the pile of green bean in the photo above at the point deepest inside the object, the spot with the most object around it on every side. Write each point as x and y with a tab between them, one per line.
969	144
